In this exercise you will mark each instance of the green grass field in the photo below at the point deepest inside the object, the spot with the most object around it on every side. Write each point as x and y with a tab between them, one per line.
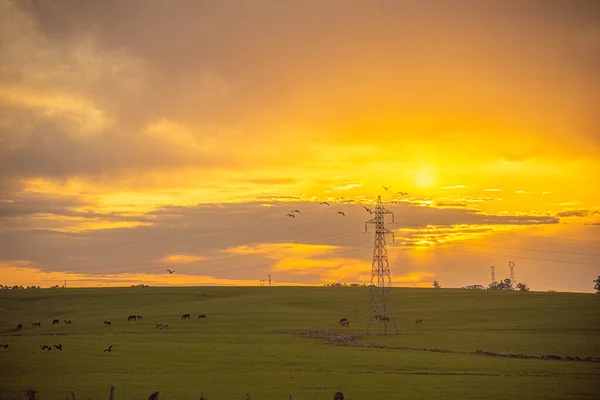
251	342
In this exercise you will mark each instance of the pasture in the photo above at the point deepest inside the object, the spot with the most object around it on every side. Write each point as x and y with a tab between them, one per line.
277	341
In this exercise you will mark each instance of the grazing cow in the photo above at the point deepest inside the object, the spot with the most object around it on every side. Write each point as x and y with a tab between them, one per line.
161	325
185	316
19	327
201	316
34	324
107	323
55	322
4	346
344	322
338	396
420	321
139	316
67	321
387	319
131	318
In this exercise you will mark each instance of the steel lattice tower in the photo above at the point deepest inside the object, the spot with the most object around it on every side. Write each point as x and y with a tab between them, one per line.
511	265
493	276
380	296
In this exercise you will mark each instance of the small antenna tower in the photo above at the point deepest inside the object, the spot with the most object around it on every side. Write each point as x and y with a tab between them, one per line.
269	279
380	296
262	282
493	276
65	285
511	265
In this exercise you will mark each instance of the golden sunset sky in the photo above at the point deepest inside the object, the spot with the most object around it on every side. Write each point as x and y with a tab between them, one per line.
141	135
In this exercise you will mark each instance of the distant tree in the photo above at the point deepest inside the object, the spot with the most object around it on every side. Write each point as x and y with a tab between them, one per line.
502	285
597	285
436	285
473	287
522	287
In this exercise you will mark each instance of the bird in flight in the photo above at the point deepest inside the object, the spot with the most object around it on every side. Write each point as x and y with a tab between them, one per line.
386	188
394	202
58	346
170	271
290	215
402	193
109	348
296	211
342	213
340	198
324	202
370	212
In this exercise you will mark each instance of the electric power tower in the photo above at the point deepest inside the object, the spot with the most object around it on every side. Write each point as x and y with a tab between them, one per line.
493	276
380	296
511	265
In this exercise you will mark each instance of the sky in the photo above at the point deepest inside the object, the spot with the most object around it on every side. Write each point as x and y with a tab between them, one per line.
143	135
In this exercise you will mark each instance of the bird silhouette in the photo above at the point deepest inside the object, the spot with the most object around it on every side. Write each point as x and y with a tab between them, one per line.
342	213
340	198
324	202
370	212
296	211
290	215
59	346
386	188
394	202
170	271
109	348
402	193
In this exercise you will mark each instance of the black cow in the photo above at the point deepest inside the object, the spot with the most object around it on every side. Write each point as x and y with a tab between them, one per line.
4	346
185	316
139	316
344	322
420	321
107	323
201	316
19	327
338	396
131	318
34	324
67	321
55	322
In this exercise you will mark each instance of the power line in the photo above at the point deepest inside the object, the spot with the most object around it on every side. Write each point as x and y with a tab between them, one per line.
506	233
514	256
341	235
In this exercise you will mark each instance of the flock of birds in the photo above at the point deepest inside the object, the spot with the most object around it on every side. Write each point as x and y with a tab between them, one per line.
292	215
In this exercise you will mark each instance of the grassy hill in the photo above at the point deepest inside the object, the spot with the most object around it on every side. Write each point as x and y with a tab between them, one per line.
255	340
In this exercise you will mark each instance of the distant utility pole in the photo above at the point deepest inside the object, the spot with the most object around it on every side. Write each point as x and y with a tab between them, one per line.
269	279
493	276
65	285
380	296
511	265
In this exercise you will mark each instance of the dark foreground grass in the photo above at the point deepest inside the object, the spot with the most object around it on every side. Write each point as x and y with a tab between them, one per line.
252	341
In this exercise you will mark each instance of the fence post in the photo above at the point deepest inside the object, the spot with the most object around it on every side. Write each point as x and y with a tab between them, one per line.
112	393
